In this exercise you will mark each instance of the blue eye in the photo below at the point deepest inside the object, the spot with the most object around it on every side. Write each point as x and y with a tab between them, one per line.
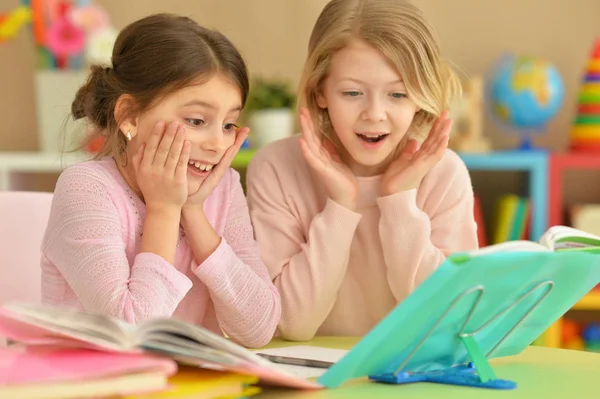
195	122
352	93
399	95
230	127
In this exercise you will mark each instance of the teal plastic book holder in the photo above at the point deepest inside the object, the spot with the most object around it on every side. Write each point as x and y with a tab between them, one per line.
470	310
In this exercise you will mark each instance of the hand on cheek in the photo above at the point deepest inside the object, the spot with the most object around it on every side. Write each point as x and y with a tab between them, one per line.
338	179
414	162
160	166
205	188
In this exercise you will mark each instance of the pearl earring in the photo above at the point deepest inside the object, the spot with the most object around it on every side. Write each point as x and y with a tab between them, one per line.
128	135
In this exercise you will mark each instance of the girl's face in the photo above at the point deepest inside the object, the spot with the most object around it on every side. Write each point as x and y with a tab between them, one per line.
368	107
208	112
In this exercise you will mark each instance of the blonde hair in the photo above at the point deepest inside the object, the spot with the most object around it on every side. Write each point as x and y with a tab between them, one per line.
400	32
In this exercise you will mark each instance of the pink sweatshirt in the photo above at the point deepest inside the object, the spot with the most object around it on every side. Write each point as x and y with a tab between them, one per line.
340	272
91	259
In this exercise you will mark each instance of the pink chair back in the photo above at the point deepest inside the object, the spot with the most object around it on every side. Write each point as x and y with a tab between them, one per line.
23	219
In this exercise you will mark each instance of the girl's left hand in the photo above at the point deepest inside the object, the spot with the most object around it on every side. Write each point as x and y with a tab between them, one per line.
411	166
212	180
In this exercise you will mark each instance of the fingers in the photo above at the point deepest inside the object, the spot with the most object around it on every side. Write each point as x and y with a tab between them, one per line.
314	161
439	120
431	135
174	156
440	127
311	124
183	160
137	158
307	136
330	150
241	135
444	138
308	131
446	128
407	153
325	150
217	173
152	144
440	143
410	148
160	156
442	147
306	126
443	122
437	145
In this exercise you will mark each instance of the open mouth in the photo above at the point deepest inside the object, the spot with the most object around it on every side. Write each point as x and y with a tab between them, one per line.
372	137
200	167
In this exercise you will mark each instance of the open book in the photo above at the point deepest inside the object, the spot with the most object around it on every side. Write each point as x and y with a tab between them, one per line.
556	238
186	343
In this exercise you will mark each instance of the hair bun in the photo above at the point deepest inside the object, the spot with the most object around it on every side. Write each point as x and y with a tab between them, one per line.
90	98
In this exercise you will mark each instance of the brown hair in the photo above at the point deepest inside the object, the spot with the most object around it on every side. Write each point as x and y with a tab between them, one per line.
152	58
400	32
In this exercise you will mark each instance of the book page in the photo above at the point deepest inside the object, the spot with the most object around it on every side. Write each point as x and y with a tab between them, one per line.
95	329
511	246
179	345
563	237
191	337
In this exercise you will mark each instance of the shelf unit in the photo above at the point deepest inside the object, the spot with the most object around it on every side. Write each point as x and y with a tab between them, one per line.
559	163
546	178
535	163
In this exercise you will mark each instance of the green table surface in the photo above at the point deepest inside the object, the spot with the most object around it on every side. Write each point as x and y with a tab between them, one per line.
538	371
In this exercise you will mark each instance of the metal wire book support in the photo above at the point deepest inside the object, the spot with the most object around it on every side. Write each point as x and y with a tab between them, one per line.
478	372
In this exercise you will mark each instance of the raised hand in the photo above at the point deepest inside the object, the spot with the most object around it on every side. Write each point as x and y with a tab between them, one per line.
161	165
413	163
198	198
338	179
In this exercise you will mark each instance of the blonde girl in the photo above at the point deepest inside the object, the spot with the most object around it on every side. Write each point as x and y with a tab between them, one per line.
362	207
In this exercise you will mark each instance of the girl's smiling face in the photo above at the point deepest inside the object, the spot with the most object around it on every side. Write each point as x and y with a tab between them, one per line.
368	106
208	112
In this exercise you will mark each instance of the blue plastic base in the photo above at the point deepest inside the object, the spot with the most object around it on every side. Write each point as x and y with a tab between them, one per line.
464	375
526	145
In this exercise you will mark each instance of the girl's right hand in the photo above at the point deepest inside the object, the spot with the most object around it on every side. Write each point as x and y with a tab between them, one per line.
161	167
338	179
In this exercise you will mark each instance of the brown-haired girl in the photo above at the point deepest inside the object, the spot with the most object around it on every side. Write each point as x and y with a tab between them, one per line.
157	224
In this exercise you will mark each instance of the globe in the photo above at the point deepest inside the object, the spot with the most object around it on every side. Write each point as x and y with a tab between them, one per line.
523	94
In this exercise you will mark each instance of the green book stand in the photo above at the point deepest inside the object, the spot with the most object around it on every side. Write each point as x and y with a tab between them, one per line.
470	310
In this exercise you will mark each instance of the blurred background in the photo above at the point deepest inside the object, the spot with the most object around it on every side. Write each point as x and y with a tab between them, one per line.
528	126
